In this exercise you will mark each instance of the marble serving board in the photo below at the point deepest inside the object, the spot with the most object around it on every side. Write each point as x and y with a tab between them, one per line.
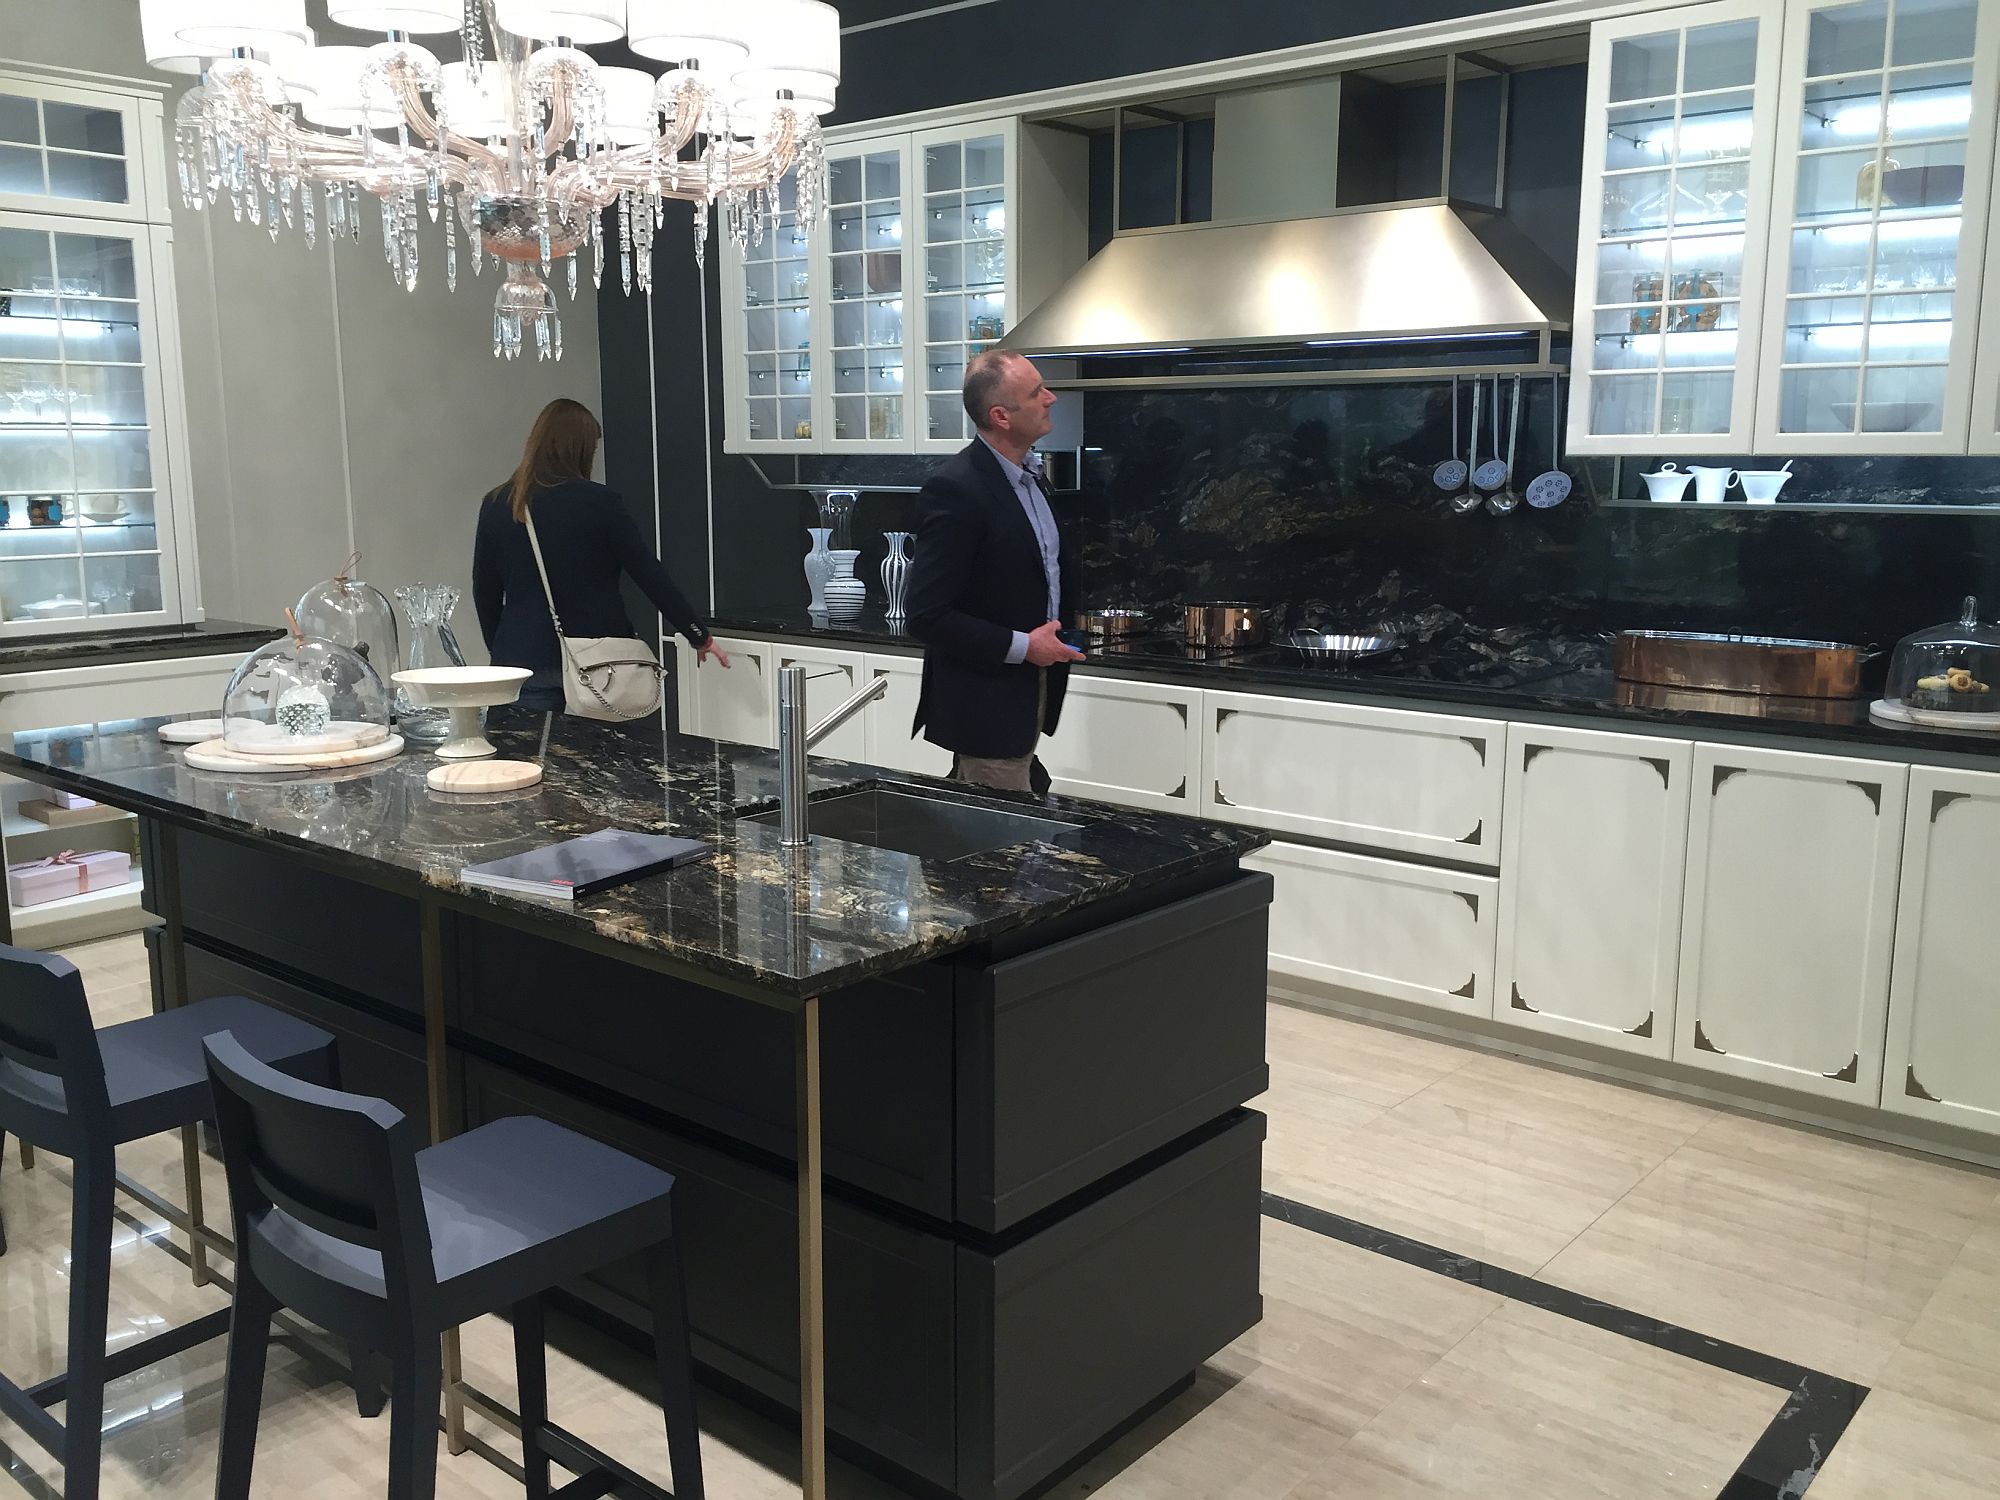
273	740
215	755
483	776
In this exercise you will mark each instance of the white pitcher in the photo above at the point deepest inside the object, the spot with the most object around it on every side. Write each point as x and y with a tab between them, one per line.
1711	484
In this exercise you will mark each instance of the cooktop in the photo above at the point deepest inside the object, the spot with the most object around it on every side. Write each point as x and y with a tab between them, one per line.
1446	659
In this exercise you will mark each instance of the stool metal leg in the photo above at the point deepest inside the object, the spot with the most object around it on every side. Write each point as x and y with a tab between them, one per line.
243	1386
531	1368
3	1162
675	1357
413	1421
89	1310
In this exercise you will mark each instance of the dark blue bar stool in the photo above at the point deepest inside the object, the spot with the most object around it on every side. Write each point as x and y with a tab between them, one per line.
340	1217
79	1092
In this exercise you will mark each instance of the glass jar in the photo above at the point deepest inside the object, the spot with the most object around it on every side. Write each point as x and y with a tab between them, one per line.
1950	670
303	695
357	615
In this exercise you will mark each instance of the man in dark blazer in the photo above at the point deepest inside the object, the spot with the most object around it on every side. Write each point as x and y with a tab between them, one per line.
990	586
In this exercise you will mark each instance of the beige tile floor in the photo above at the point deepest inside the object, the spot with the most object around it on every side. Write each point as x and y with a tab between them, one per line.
1367	1379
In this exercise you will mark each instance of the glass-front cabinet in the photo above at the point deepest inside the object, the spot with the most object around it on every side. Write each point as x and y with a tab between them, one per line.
913	271
1673	236
864	249
1879	225
965	188
91	425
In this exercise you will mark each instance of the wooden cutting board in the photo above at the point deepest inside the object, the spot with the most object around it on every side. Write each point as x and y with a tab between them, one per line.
214	755
483	776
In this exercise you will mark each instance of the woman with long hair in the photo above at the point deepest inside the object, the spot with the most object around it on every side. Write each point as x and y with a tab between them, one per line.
588	540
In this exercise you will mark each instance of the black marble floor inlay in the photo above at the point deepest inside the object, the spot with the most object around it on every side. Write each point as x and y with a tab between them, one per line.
1782	1462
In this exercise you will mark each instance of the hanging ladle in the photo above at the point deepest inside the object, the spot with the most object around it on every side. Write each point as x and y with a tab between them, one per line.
1492	474
1449	476
1467	501
1504	501
1550	488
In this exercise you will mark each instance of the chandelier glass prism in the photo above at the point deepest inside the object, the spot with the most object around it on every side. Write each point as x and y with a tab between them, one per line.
525	149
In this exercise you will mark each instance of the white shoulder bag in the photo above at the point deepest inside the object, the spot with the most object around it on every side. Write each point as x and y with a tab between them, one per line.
608	677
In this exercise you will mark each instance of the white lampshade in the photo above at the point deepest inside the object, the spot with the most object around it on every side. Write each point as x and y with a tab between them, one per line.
584	22
699	31
788	38
476	110
292	58
810	93
160	26
629	116
333	76
417	17
214	27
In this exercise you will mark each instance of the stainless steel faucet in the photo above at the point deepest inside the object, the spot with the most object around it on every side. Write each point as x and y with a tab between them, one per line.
795	740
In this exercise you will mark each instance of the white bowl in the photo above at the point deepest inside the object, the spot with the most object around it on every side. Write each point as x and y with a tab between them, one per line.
1761	486
464	691
1667	486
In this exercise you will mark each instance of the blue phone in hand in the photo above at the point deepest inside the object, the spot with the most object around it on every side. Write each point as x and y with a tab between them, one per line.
1076	640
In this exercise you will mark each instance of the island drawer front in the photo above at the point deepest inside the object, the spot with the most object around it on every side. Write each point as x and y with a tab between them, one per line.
274	904
1079	1058
1067	1334
889	1305
682	1050
376	1056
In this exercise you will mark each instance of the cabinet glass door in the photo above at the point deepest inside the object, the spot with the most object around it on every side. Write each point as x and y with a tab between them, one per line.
865	279
1886	153
1673	238
65	149
963	204
82	487
775	304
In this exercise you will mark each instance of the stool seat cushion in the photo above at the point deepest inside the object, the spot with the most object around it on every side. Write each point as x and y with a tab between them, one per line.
155	1076
514	1207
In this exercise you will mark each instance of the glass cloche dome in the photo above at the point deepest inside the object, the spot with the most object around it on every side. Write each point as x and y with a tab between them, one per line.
356	614
304	695
1951	669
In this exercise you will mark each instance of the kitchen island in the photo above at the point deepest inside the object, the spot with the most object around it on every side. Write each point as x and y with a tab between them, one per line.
1040	1187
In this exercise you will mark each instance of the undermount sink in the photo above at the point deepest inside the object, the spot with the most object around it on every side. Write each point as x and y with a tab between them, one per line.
939	828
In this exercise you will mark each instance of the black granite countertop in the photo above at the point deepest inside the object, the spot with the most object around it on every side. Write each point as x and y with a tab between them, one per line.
156	643
1504	670
752	913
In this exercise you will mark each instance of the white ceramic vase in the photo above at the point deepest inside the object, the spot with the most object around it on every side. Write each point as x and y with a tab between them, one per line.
819	567
896	572
844	592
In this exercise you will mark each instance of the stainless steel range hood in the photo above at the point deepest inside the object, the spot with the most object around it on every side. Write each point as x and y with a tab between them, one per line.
1434	270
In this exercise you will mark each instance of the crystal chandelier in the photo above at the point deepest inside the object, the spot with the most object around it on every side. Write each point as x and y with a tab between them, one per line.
520	146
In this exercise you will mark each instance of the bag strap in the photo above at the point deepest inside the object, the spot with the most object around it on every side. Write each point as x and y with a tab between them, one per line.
541	567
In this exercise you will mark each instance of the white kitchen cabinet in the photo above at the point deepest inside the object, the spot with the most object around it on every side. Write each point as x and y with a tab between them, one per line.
1985	428
1383	778
1125	741
1878	231
1677	170
832	676
109	696
1382	926
1943	1056
1592	856
740	704
887	740
1788	918
852	335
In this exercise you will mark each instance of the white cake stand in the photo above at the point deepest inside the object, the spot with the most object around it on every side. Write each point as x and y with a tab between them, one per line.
464	691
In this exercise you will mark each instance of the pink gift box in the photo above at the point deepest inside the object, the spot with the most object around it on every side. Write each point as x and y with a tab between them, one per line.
103	868
32	884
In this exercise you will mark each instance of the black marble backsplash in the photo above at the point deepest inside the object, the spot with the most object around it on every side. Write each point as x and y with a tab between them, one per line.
1318	500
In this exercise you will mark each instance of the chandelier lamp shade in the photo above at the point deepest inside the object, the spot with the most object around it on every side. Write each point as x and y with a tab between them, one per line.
521	149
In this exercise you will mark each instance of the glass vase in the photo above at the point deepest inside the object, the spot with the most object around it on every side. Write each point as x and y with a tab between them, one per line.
836	512
844	592
428	608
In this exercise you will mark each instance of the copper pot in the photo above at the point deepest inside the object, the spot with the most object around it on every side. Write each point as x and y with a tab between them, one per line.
1228	622
1765	664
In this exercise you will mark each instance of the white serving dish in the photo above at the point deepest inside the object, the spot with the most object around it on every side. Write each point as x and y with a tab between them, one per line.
463	691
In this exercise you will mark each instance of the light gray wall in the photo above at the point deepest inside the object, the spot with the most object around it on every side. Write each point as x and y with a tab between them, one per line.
328	409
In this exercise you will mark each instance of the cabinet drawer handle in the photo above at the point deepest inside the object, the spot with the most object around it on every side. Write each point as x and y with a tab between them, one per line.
1911	1087
1849	1073
1939	802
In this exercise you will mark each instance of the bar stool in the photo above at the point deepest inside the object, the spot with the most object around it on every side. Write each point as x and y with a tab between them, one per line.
340	1217
79	1092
